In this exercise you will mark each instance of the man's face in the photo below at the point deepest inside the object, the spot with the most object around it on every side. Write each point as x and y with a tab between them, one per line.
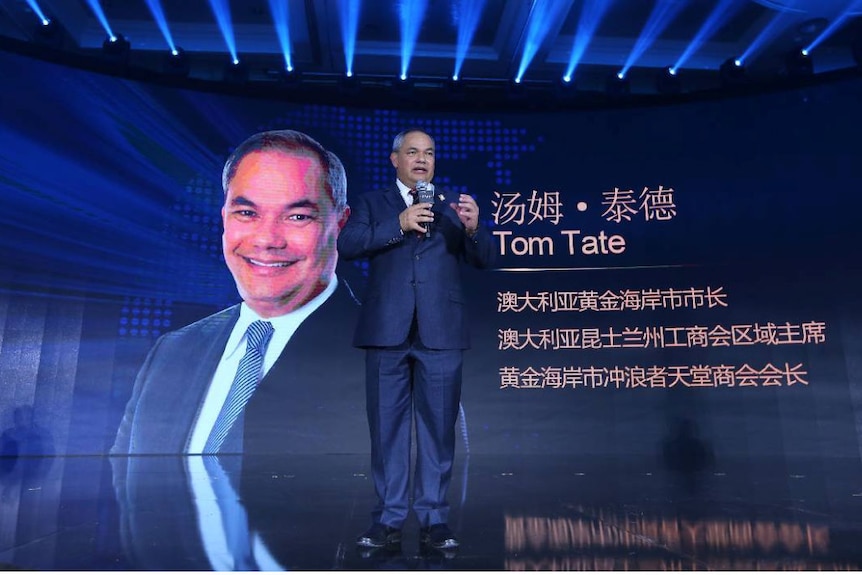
280	231
415	160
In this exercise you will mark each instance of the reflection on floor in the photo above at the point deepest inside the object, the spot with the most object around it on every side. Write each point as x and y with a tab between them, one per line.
511	513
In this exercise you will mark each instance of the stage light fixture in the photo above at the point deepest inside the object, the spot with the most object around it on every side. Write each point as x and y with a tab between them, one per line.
349	85
798	63
617	85
116	48
667	81
732	72
516	90
454	90
235	72
289	78
564	89
404	88
49	33
176	63
454	85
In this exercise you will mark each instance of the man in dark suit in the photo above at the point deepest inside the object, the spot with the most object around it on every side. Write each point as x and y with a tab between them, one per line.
284	206
285	203
413	327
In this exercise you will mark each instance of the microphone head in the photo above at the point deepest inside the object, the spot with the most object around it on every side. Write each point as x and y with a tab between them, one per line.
425	192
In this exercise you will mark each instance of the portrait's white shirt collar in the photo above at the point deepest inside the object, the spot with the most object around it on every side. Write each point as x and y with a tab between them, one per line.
284	325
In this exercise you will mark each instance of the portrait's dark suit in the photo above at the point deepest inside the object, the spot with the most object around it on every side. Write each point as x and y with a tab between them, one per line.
310	402
304	403
414	289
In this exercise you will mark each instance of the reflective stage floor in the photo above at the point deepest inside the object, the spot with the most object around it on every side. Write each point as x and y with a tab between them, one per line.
511	513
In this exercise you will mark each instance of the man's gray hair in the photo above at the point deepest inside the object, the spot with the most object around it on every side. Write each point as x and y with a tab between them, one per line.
399	139
292	142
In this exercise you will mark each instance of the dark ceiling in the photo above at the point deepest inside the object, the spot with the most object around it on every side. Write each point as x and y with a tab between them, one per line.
505	30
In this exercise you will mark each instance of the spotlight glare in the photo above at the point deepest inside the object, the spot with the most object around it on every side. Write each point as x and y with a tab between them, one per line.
542	16
174	52
278	11
96	7
34	5
411	14
737	63
518	80
158	13
671	71
350	73
592	13
663	13
468	14
804	52
235	61
455	77
723	11
221	11
349	19
621	75
567	78
113	38
837	23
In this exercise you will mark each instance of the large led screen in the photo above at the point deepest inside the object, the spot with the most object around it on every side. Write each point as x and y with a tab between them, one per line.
665	276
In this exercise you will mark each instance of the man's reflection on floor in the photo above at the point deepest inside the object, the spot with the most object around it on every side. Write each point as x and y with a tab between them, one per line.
23	448
686	454
252	512
228	541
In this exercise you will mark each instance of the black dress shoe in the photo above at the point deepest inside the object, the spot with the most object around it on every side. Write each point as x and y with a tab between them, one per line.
438	536
380	535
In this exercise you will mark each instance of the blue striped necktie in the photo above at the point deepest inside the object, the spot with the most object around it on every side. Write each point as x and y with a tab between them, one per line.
248	375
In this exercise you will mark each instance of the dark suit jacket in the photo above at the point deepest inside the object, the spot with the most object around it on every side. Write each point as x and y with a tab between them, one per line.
407	273
311	400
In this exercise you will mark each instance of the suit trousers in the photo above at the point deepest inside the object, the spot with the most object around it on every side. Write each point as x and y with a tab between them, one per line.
406	384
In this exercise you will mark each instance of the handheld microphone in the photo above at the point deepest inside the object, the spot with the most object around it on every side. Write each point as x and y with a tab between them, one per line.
425	195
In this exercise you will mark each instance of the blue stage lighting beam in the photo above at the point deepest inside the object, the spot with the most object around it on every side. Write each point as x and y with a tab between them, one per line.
35	7
278	9
768	33
543	13
411	14
591	16
155	7
719	15
100	16
348	11
221	10
466	15
849	11
662	14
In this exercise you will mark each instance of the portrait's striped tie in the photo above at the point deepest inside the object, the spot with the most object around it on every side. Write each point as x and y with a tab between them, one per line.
248	375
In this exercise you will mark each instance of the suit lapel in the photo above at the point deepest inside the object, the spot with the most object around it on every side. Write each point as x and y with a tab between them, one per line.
394	199
213	338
